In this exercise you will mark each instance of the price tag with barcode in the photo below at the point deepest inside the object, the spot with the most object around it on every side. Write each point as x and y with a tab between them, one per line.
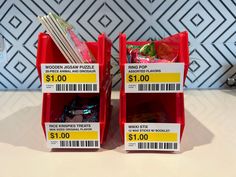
152	136
70	78
154	78
73	135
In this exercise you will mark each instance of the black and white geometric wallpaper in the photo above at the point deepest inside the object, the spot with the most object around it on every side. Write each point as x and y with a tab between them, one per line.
211	25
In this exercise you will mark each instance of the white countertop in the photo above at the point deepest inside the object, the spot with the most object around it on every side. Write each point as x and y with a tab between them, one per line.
208	147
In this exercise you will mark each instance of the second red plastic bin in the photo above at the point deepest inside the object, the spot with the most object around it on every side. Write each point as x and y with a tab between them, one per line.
171	103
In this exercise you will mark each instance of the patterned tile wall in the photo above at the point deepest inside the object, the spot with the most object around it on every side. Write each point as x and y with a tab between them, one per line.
211	25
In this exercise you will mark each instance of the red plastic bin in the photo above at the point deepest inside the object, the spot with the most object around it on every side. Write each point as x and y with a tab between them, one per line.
54	103
171	103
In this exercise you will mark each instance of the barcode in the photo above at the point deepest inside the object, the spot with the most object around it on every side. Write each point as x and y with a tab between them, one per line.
76	87
79	143
158	87
158	145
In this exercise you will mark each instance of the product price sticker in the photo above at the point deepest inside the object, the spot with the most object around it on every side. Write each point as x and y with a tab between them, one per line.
70	78
73	135
154	78
152	136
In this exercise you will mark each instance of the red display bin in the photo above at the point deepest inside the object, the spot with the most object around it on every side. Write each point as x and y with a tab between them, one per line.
54	103
171	103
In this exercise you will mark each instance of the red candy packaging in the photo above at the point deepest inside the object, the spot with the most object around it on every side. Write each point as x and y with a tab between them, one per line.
149	54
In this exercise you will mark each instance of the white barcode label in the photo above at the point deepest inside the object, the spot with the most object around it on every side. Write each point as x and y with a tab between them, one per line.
157	145
152	136
73	135
154	78
70	78
76	87
159	87
79	144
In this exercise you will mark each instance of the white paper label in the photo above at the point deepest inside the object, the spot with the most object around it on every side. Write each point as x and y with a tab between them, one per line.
73	135
154	78
152	136
70	78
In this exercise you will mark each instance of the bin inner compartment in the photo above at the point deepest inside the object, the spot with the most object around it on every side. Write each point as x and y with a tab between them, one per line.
54	55
152	108
62	103
168	48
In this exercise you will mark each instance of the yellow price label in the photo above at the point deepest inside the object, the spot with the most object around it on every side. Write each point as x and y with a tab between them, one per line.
72	135
153	77
69	78
151	136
